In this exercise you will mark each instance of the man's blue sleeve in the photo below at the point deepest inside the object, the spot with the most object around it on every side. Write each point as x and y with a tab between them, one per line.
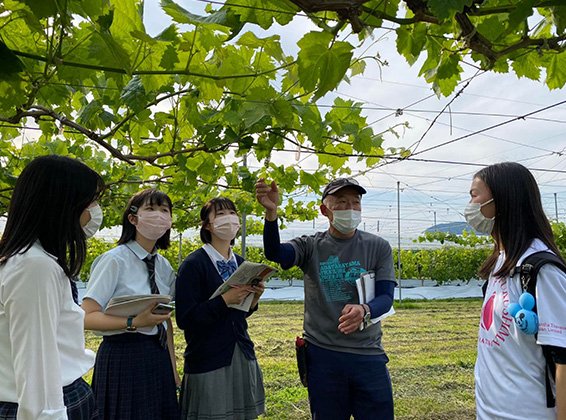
383	298
283	254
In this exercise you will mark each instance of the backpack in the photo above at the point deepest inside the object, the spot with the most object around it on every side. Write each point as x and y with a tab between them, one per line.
528	271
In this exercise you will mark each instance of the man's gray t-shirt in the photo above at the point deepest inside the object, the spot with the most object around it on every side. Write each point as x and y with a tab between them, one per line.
331	267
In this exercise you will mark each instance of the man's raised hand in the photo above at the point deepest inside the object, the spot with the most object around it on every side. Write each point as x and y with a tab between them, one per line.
268	197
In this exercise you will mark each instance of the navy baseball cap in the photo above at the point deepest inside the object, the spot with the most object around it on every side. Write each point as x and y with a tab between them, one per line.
339	183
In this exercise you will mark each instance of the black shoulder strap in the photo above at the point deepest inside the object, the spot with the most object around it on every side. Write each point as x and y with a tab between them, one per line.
484	288
528	273
531	266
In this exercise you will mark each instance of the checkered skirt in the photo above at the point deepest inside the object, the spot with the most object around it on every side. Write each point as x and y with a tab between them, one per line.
77	397
133	379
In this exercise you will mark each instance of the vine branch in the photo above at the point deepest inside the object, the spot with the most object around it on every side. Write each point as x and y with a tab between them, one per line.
185	72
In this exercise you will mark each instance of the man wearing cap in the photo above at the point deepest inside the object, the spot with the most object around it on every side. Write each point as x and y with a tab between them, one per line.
347	373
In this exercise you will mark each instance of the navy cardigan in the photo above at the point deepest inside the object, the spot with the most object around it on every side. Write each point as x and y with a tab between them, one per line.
211	328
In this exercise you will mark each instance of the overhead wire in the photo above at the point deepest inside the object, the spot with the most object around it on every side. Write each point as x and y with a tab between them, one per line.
491	127
415	145
472	131
494	98
410	158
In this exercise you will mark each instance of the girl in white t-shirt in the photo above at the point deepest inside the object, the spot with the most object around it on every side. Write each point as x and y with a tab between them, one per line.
135	374
510	371
42	344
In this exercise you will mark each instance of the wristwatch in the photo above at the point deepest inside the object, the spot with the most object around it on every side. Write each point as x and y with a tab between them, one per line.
367	315
129	324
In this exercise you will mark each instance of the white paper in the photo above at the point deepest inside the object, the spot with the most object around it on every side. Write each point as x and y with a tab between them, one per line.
247	273
366	292
132	305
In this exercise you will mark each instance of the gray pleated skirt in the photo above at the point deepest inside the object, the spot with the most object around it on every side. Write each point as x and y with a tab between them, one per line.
231	392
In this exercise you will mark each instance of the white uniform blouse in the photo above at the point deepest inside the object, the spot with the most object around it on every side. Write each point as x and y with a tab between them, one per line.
122	272
42	344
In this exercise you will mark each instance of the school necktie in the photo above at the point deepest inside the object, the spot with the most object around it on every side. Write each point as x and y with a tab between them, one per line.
150	262
74	291
226	268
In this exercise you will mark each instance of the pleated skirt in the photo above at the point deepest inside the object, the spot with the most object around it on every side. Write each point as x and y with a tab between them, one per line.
133	379
232	392
77	397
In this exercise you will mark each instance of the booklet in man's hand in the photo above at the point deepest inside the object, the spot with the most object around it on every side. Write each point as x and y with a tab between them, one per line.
366	292
248	273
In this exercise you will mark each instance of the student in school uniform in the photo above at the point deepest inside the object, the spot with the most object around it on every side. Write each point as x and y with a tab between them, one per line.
135	374
42	343
222	377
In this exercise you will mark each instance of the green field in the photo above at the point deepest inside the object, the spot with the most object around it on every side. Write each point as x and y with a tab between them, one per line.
431	346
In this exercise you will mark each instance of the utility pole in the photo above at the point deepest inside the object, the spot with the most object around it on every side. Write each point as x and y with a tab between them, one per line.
180	248
555	207
399	238
245	163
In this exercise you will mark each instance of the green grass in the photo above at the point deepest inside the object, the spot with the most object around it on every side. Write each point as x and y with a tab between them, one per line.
431	346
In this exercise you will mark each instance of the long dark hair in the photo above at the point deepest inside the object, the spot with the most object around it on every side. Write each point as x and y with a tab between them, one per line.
218	203
152	197
519	217
48	199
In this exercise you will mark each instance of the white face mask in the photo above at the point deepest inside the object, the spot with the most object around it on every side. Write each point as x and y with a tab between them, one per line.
477	220
153	224
226	226
346	221
95	221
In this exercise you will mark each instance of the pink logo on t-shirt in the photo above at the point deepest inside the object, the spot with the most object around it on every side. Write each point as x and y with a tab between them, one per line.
487	313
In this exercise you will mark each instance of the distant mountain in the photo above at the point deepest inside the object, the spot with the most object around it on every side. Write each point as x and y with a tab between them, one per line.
455	227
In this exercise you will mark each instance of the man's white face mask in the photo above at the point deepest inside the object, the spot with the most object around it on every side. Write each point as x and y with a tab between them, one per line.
346	221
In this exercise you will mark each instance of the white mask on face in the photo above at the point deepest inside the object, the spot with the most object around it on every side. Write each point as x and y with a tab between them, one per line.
477	220
346	221
95	221
153	224
226	226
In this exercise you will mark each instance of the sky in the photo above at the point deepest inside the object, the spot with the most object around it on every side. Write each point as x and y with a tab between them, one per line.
435	190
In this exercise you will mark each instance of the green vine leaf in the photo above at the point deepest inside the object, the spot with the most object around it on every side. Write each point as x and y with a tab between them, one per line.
133	95
527	66
11	64
559	17
322	62
180	110
223	18
445	9
556	71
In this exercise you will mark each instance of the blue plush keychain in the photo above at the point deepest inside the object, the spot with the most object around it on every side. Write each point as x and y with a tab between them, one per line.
525	319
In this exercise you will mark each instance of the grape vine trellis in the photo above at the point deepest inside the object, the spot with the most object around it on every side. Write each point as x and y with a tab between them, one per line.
181	109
